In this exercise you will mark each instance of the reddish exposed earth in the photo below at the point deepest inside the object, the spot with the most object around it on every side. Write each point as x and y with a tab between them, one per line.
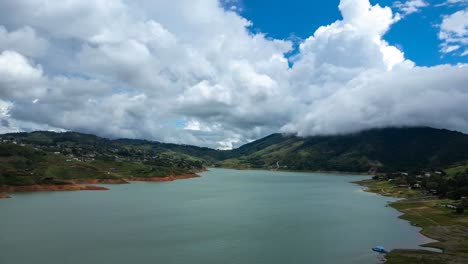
76	185
50	188
100	181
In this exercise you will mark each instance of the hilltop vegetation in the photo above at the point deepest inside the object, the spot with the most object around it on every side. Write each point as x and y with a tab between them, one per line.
390	149
80	143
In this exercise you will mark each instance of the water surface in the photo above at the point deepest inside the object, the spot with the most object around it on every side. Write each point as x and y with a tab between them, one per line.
226	216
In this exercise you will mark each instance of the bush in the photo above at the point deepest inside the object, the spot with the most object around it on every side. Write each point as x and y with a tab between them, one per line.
18	180
464	202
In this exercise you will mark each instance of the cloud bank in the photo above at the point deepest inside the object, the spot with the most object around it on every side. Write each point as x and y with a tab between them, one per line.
190	71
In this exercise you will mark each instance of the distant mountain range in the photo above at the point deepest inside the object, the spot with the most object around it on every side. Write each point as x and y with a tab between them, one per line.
388	149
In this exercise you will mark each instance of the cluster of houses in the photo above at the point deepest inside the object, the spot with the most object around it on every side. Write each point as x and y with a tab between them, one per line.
11	142
407	180
89	153
83	158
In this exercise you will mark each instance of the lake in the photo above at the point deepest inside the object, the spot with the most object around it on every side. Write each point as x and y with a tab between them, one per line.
226	216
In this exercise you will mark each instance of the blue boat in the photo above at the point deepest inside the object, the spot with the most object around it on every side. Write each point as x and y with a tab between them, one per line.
380	249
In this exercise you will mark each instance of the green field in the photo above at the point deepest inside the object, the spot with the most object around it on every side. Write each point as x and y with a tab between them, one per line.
387	189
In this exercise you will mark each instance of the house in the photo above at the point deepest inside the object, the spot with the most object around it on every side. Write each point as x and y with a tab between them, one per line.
453	205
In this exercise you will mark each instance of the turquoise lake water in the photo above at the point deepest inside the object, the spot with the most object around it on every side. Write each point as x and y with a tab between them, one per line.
224	217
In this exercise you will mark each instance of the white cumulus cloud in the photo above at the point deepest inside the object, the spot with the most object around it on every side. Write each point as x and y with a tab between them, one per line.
191	71
454	33
410	6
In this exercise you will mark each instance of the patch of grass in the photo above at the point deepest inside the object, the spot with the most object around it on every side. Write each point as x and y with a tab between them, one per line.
452	171
416	256
388	189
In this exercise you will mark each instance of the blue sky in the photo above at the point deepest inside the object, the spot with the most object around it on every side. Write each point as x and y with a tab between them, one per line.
416	34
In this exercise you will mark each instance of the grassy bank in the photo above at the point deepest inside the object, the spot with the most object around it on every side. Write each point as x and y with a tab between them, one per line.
22	165
436	220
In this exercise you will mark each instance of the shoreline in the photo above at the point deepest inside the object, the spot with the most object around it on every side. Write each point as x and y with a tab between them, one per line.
391	204
51	188
299	171
163	179
80	184
420	211
99	181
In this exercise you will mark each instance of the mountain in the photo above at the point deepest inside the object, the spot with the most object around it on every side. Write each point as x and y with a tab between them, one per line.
389	149
71	154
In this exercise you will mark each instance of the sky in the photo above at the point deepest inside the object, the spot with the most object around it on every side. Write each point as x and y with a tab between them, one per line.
416	35
221	73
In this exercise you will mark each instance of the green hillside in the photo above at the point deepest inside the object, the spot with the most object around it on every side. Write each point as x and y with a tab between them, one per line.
126	147
27	158
55	158
390	149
